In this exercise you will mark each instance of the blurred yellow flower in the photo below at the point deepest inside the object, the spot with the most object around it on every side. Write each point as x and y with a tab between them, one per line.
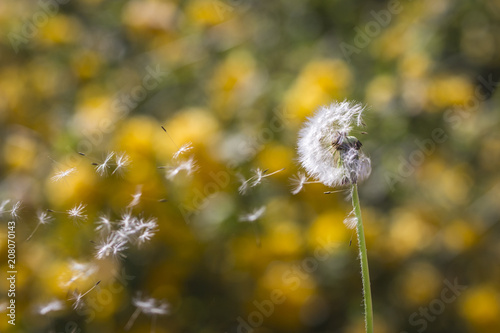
480	306
447	91
209	12
20	152
420	283
320	82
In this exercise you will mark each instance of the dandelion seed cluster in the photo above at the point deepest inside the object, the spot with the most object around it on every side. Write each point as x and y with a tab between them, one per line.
327	152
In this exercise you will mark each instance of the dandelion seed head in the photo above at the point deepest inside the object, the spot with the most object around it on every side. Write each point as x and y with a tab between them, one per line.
327	152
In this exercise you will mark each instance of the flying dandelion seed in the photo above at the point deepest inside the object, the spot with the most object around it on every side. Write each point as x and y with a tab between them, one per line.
78	271
122	161
255	180
149	306
136	197
183	149
104	224
253	216
146	230
298	181
102	169
62	174
43	218
189	166
2	206
14	212
77	298
351	220
77	213
52	306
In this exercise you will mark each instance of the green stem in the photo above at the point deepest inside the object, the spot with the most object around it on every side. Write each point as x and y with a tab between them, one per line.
365	274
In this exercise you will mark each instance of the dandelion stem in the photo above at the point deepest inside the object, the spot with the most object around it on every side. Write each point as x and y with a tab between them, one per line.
132	319
365	275
36	228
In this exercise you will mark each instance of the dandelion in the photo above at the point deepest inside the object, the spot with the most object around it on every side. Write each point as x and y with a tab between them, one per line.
52	306
253	216
183	149
78	212
149	306
327	152
189	166
102	169
43	218
255	180
122	161
77	297
62	174
331	156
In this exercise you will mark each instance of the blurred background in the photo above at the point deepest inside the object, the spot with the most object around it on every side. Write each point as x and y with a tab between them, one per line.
236	78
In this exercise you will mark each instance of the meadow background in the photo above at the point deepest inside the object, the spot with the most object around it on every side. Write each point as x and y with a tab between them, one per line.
237	78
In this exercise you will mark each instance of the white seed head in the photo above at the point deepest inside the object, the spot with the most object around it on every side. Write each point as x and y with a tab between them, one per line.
327	152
